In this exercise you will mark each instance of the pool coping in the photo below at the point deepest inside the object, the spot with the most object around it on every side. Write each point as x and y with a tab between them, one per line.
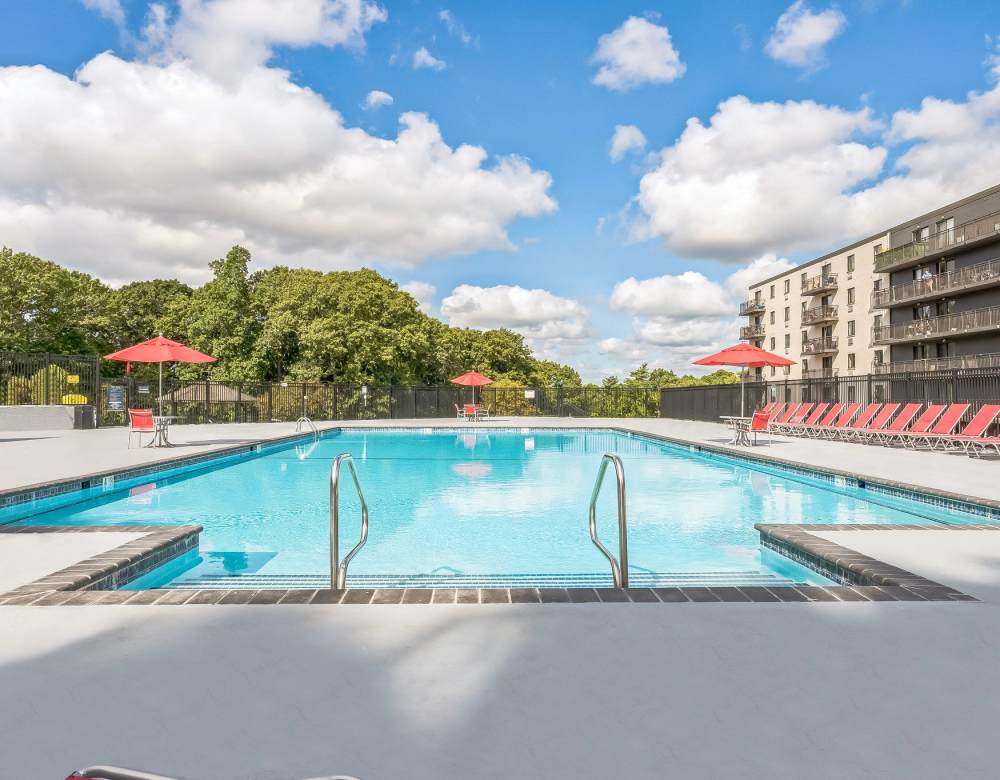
862	578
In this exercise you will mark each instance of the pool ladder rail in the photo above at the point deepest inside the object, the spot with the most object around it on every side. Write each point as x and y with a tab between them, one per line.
305	420
619	567
338	568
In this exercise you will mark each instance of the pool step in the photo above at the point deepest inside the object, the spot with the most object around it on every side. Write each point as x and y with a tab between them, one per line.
636	580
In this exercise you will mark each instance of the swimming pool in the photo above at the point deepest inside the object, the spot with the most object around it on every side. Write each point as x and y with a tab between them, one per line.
482	506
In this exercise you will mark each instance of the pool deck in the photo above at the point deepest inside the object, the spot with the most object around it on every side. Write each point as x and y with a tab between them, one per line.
721	690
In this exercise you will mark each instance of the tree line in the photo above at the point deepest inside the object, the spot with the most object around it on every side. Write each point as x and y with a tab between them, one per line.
276	324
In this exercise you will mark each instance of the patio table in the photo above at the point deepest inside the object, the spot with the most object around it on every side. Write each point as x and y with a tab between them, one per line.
741	429
162	424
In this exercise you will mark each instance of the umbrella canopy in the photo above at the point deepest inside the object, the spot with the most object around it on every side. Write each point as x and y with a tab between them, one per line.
746	356
159	350
472	379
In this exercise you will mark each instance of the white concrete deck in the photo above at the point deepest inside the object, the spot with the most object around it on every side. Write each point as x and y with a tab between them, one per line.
25	558
825	690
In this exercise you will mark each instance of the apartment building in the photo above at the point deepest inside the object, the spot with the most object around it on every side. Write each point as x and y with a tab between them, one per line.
818	313
923	295
941	306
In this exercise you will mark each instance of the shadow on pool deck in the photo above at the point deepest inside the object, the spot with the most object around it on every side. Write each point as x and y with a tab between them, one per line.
484	692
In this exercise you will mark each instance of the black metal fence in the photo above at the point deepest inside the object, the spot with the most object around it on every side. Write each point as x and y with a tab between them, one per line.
973	386
213	401
48	379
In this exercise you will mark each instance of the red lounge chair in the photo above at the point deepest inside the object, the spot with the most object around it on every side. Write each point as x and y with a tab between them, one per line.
810	420
904	418
973	432
769	408
817	428
842	422
140	421
795	419
878	422
863	419
943	427
922	425
785	416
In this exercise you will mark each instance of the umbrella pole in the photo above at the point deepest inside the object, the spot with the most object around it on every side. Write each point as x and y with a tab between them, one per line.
743	376
159	398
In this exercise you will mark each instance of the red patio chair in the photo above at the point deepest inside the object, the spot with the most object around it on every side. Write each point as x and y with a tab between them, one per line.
140	421
943	427
842	422
863	419
973	433
759	423
922	425
795	419
904	418
817	428
877	423
795	429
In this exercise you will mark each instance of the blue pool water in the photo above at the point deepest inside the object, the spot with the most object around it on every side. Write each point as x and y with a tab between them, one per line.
479	502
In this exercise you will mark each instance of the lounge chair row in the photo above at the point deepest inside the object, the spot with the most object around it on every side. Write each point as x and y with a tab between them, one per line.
909	425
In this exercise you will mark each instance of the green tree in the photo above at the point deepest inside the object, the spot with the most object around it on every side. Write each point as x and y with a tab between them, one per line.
141	308
548	373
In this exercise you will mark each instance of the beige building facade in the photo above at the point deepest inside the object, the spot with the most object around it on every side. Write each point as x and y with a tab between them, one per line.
819	314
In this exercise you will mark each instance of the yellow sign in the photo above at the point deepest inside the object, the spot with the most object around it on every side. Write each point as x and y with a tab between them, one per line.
72	379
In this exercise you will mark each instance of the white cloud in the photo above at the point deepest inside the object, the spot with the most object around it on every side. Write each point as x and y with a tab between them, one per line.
424	59
687	295
626	138
799	175
227	38
110	9
639	52
760	176
538	314
799	36
377	98
423	293
764	267
143	168
455	28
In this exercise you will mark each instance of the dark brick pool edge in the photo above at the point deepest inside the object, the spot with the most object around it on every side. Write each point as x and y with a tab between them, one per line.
862	578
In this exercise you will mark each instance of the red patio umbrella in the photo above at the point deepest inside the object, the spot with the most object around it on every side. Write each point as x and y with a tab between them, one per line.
159	350
472	379
745	356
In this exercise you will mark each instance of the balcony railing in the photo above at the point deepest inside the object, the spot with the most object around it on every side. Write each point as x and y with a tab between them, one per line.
752	307
819	346
987	360
979	275
947	325
819	373
819	314
749	332
818	284
902	255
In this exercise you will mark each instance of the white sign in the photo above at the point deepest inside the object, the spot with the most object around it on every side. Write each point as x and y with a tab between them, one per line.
529	394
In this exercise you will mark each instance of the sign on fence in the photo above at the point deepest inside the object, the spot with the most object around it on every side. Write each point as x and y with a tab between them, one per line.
72	379
116	398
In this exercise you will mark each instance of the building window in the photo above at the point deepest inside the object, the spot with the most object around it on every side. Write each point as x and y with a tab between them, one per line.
878	357
877	284
788	341
805	336
850	296
803	307
772	343
788	313
921	234
850	264
788	286
772	290
946	230
772	318
805	276
850	328
772	370
877	248
850	361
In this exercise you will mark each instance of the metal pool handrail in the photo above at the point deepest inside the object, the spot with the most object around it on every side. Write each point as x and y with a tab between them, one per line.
338	568
619	568
304	419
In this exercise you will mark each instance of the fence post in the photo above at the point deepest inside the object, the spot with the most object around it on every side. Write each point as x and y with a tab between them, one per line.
270	401
97	391
45	380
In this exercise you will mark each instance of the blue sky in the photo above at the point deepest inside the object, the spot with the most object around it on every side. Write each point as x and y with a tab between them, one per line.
833	137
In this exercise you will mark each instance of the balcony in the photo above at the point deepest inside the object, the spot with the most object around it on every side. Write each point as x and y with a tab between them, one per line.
987	360
751	332
820	373
752	307
945	326
961	280
960	236
819	314
819	346
819	284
